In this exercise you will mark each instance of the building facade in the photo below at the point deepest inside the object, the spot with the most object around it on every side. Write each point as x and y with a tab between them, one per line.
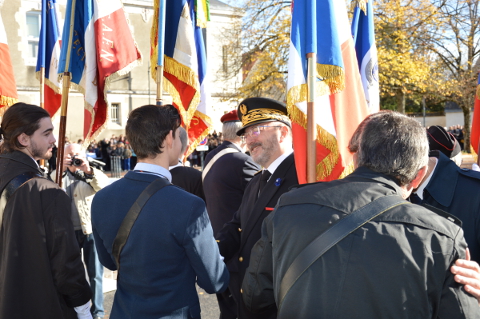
21	19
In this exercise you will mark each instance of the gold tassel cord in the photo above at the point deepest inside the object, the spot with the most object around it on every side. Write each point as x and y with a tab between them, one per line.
333	76
6	101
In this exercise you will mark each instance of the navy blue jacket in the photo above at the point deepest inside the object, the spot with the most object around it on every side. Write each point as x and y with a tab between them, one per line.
457	191
225	183
170	247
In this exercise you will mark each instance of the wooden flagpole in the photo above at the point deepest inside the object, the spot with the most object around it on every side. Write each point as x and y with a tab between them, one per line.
160	49
311	125
42	98
64	106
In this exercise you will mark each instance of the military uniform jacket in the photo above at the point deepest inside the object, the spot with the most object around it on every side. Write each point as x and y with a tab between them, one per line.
238	236
395	266
41	271
225	183
457	191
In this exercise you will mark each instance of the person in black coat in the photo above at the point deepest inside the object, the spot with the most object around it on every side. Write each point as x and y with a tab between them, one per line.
267	132
226	174
188	178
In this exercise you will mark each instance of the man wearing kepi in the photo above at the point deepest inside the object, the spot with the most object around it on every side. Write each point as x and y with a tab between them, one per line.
267	132
355	248
226	175
170	244
41	271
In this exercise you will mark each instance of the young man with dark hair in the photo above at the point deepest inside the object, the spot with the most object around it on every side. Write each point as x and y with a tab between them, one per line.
171	244
41	271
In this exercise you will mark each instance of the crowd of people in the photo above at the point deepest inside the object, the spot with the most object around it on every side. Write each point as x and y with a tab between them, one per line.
397	238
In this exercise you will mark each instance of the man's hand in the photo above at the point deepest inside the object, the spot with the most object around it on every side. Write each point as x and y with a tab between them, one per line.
467	272
85	166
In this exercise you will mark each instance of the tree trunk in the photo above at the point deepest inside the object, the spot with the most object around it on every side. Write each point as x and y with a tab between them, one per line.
400	101
467	113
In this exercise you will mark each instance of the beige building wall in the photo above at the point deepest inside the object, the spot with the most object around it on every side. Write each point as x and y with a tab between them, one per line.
132	90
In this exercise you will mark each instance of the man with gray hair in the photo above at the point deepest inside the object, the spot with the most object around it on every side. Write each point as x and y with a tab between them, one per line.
355	248
227	171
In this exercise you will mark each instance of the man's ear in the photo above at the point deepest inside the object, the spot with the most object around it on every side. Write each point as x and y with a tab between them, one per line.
23	139
169	139
419	178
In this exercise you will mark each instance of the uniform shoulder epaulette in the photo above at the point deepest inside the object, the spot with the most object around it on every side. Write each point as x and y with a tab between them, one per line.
444	214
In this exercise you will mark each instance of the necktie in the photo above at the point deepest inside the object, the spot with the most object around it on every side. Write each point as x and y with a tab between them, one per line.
263	180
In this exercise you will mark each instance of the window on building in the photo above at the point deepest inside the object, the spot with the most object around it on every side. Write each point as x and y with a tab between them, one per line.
115	113
33	35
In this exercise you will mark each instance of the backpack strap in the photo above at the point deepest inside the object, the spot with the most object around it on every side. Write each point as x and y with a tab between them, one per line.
14	184
331	237
132	215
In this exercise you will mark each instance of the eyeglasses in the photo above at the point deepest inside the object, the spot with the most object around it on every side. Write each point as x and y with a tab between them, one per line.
255	131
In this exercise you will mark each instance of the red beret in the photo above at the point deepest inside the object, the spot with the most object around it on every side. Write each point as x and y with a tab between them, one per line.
230	117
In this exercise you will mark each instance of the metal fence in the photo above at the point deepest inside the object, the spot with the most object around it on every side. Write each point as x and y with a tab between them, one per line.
116	166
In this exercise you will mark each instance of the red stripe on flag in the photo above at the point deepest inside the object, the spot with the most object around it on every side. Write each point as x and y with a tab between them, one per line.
116	50
475	134
8	87
52	101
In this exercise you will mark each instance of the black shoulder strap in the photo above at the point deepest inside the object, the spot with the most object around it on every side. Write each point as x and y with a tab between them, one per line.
332	236
17	182
132	214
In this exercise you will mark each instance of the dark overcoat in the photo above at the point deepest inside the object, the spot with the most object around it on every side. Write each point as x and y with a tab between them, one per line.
238	236
395	266
225	183
41	270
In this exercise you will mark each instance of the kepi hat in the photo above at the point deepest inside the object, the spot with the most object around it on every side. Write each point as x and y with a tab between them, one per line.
230	117
257	110
443	141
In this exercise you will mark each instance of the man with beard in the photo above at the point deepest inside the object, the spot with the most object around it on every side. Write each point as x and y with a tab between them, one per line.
41	271
268	135
227	172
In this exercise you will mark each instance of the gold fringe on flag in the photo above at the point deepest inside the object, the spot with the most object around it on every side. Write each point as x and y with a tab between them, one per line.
478	92
202	136
50	84
333	76
6	102
326	166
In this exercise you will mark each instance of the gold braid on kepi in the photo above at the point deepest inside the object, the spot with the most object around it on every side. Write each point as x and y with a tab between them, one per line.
262	115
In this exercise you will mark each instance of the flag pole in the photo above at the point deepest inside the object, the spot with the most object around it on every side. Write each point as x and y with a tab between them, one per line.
64	106
311	127
42	56
161	49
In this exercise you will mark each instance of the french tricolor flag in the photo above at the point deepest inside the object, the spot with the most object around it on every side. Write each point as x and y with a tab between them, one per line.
185	62
322	27
49	54
363	32
8	88
102	49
